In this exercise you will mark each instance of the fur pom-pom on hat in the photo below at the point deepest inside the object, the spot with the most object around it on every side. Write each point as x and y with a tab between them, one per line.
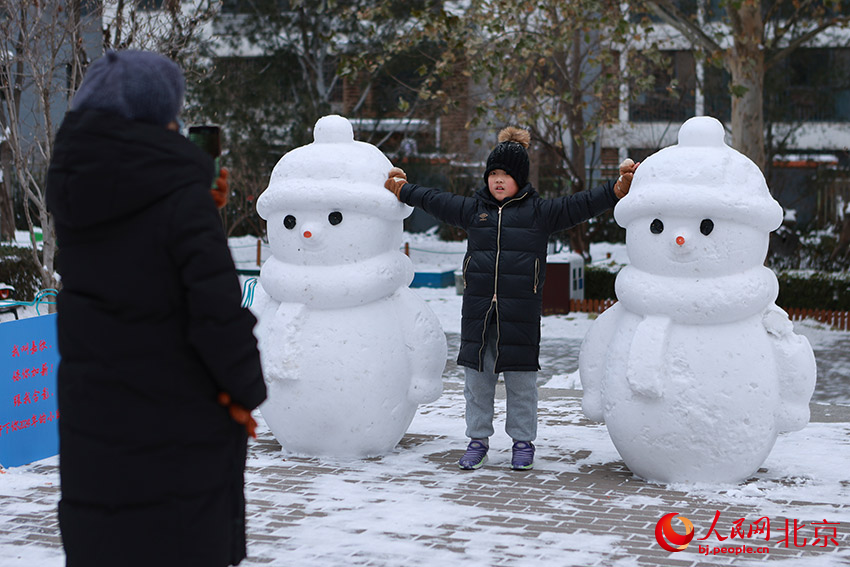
514	134
510	155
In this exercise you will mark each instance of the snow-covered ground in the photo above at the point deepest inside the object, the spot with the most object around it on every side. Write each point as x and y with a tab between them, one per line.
808	466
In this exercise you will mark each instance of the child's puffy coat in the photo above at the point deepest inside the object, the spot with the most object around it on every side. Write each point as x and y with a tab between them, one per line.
505	264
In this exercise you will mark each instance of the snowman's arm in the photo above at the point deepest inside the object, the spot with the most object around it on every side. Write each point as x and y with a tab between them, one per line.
565	212
796	367
278	330
263	306
425	343
255	298
593	359
448	207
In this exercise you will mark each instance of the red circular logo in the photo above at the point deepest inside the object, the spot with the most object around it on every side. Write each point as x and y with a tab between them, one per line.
665	533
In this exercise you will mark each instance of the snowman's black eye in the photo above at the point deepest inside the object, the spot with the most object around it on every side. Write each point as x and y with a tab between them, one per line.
656	227
289	222
706	226
335	218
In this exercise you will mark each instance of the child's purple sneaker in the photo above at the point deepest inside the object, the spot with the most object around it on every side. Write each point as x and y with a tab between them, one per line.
523	456
474	457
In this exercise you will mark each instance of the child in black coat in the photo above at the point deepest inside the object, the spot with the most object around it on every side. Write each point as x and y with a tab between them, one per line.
508	226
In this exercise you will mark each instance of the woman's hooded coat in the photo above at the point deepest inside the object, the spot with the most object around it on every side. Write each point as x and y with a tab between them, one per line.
150	331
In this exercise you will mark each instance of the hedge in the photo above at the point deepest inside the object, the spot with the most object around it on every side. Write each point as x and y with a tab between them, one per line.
814	290
599	283
805	290
19	270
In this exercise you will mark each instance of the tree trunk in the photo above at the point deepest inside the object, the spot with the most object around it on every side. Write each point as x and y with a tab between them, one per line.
7	212
842	248
745	61
48	252
578	234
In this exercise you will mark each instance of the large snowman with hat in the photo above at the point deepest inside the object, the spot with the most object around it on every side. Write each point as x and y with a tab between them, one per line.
348	350
696	370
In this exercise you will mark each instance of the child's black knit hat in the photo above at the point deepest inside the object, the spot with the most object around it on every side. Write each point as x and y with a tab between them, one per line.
511	155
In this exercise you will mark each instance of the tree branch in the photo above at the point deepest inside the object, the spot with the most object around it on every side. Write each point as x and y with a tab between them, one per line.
669	14
797	42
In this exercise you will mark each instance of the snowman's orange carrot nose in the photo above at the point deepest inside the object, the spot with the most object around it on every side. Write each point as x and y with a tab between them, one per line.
680	240
308	234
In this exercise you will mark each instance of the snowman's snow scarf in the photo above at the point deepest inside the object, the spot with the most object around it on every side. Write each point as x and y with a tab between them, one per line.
663	300
337	286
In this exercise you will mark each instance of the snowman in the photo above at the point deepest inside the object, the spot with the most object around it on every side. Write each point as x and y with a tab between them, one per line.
696	370
348	350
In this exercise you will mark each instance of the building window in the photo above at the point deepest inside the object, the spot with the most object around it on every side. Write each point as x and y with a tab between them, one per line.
253	6
150	5
715	11
671	96
89	7
640	154
687	7
780	11
809	85
717	98
253	78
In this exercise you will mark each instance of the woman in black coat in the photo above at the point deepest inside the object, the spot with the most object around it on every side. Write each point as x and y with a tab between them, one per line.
152	335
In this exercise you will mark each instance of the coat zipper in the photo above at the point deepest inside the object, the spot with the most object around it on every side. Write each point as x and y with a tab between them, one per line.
536	274
465	266
495	302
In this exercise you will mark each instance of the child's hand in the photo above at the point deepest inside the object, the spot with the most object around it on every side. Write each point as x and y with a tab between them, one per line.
624	182
396	179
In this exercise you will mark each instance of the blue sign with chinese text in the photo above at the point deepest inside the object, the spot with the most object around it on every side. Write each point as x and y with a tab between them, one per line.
29	417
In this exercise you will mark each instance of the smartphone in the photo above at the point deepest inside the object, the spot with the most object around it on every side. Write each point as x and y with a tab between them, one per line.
208	138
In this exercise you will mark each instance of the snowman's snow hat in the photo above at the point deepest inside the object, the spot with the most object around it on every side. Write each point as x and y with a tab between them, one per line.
334	172
700	176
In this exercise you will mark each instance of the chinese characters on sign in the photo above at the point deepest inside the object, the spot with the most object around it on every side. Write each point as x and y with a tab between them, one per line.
28	411
29	349
27	372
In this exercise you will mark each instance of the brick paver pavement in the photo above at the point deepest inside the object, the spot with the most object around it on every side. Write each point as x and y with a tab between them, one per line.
414	507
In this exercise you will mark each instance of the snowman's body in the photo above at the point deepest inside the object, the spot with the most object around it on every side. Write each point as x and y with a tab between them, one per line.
348	350
323	401
695	370
713	400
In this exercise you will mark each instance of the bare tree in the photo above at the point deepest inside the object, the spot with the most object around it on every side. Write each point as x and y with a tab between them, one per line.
552	66
556	70
7	213
44	50
176	29
276	67
40	59
302	51
752	37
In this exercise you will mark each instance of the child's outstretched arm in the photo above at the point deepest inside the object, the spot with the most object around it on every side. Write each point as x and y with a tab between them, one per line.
448	207
565	212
